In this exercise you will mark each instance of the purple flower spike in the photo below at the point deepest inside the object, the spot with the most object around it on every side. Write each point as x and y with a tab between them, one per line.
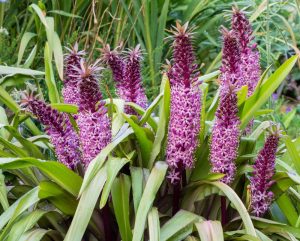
225	135
93	122
183	130
184	122
250	65
230	69
132	89
116	64
95	133
184	67
261	180
127	75
58	127
70	91
89	90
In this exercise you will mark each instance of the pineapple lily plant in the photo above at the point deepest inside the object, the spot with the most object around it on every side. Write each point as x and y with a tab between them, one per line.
186	166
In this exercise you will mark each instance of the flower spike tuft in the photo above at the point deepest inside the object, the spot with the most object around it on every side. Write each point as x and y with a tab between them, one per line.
225	135
57	126
127	75
93	122
264	166
72	61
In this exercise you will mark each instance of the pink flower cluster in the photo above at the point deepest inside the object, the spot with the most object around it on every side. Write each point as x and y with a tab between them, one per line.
225	135
184	122
261	179
57	125
127	75
93	122
249	56
240	66
70	90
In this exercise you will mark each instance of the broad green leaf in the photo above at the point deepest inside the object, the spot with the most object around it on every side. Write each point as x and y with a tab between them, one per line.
18	207
293	153
180	221
260	129
68	108
30	147
3	193
5	70
56	171
139	177
289	117
49	76
24	42
13	148
28	62
96	164
164	111
288	209
118	119
202	165
3	121
58	55
24	224
191	238
242	94
86	206
263	112
204	91
261	94
114	165
40	13
61	199
198	194
272	227
153	225
150	109
120	196
209	76
155	180
140	111
34	235
213	106
210	230
238	204
144	143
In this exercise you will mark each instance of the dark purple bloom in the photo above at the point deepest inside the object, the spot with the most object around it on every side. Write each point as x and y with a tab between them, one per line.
261	179
183	130
184	122
93	122
127	75
231	59
89	89
225	135
117	66
70	90
250	65
58	127
184	66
